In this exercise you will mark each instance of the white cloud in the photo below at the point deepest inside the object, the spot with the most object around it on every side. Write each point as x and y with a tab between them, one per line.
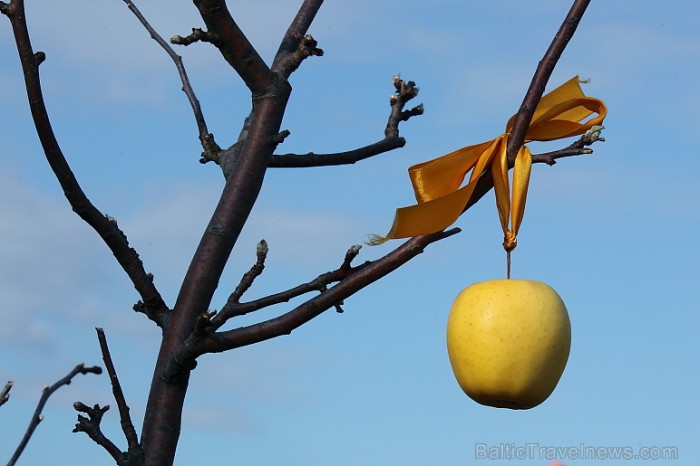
107	35
45	254
56	276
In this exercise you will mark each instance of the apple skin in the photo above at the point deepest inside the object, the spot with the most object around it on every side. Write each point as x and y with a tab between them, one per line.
508	342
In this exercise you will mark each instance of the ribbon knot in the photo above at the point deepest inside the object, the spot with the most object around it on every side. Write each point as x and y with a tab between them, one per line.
436	183
509	241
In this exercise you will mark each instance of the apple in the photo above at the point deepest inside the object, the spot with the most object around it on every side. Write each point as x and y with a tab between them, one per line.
508	342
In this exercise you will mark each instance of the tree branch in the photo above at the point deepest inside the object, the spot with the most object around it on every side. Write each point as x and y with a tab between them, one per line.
235	308
205	137
541	77
124	416
5	392
91	426
244	179
294	48
405	91
234	45
296	44
198	35
533	97
37	417
576	148
248	278
152	303
350	281
307	48
360	278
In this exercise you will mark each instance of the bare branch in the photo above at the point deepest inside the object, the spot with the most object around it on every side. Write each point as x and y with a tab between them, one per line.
235	46
292	50
198	35
249	277
124	416
205	137
576	148
340	158
37	417
307	48
541	77
550	158
182	359
405	91
533	97
152	303
244	180
360	278
234	308
91	426
5	392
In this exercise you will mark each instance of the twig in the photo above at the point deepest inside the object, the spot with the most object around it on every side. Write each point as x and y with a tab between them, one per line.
205	137
576	148
350	280
198	35
541	77
152	303
234	308
249	277
405	91
360	278
5	392
307	48
124	416
37	417
91	426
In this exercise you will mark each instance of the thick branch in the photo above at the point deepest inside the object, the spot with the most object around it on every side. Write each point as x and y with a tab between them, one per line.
152	305
240	192
405	91
37	417
541	76
234	45
205	137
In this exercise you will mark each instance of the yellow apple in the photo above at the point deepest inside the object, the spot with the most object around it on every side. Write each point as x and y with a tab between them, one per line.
508	342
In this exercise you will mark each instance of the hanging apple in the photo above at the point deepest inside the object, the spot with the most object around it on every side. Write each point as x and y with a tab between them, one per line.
508	342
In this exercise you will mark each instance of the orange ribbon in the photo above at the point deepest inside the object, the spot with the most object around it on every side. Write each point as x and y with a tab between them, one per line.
436	183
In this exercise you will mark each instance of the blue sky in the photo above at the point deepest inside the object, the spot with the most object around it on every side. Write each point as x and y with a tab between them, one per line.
614	233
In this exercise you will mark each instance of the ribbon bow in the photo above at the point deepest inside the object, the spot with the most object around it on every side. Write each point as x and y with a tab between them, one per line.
436	183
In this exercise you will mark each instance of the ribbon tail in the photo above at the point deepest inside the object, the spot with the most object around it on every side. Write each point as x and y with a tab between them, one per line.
521	181
427	217
499	172
444	175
